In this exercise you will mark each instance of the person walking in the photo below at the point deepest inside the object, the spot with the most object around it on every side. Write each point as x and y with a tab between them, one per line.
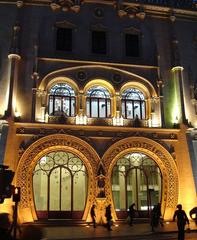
131	213
93	215
182	219
108	217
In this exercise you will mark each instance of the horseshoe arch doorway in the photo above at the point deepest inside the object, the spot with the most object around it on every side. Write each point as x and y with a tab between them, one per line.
136	178
60	182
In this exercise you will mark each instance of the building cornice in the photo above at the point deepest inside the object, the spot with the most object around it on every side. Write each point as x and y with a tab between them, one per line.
150	9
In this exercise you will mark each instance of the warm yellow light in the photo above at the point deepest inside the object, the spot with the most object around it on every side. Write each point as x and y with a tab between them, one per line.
118	119
81	119
17	114
16	190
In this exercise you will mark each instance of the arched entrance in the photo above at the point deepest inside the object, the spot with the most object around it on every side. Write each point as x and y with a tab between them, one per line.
159	157
67	158
136	178
60	184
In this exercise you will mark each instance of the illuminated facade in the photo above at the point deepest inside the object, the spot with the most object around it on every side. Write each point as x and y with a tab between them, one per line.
98	106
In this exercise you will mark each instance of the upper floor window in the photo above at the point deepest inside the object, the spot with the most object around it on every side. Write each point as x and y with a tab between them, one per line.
99	44
64	39
98	102
132	45
62	100
133	104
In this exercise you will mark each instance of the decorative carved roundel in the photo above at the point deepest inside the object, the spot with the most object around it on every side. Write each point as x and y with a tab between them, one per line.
117	78
81	75
98	12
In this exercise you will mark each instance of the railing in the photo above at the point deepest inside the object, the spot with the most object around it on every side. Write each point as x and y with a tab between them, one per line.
182	4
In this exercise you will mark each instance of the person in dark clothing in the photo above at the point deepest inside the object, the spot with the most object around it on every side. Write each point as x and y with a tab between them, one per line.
5	224
93	215
156	217
182	219
108	217
131	213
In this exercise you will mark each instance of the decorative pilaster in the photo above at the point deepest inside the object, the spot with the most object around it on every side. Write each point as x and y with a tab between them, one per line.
160	86
177	78
35	77
14	59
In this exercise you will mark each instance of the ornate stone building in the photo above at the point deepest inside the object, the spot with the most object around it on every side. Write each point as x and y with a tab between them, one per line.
99	106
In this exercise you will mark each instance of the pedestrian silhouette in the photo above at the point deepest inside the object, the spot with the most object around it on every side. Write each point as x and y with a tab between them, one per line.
108	217
182	219
156	217
193	214
131	213
93	215
5	225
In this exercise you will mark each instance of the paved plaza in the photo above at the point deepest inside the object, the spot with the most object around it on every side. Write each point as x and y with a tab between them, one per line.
140	231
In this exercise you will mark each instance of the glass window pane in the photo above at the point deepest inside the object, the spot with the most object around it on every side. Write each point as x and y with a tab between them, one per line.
66	190
108	108
50	105
143	110
88	107
66	106
144	182
40	187
129	106
123	109
94	108
72	107
58	105
54	190
102	108
137	110
80	191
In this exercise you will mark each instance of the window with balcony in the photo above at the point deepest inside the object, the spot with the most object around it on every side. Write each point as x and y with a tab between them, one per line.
98	102
133	104
62	100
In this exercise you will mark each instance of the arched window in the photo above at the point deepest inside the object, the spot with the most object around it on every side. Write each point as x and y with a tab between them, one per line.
98	102
136	178
133	103
60	186
62	100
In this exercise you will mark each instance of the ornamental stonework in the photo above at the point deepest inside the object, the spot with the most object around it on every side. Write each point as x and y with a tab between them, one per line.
158	153
40	148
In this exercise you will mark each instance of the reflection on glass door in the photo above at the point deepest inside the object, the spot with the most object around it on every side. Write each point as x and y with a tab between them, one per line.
136	178
60	186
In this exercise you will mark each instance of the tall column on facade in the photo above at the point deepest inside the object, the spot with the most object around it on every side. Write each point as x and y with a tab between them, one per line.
177	75
160	93
14	59
35	77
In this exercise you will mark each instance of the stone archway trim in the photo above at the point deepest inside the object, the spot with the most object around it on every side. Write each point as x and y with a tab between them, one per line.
48	144
154	150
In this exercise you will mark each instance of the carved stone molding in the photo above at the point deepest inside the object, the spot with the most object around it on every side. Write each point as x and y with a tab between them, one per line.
155	151
48	144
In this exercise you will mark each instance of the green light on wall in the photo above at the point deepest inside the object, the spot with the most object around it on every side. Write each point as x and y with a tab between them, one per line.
176	107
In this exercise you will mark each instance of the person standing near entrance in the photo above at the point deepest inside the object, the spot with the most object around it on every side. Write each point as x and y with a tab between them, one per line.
131	213
93	215
108	217
182	219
